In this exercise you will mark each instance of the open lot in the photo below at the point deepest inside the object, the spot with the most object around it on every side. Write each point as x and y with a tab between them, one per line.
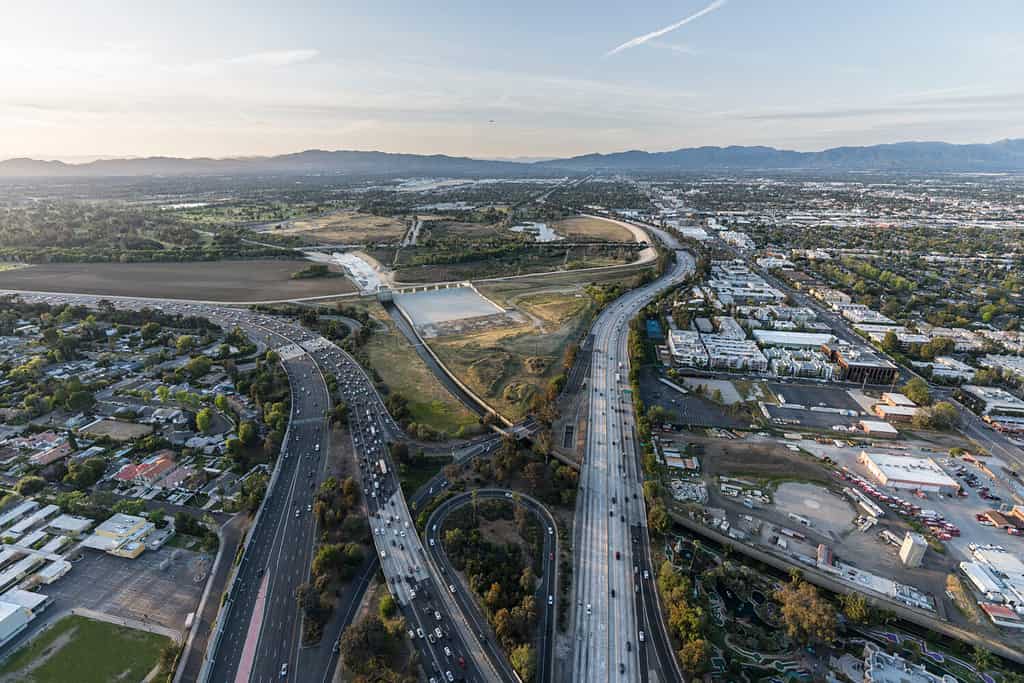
827	511
593	228
507	365
118	430
241	281
158	586
85	651
345	227
762	459
810	396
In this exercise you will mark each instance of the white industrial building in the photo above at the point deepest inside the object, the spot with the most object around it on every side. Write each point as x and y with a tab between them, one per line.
908	472
912	550
792	340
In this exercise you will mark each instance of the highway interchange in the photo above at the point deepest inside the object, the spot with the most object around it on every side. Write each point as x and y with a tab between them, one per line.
463	596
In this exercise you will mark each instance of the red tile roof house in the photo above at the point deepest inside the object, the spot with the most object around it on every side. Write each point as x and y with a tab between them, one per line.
149	471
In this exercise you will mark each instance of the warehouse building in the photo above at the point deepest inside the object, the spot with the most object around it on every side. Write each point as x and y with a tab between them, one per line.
908	472
792	340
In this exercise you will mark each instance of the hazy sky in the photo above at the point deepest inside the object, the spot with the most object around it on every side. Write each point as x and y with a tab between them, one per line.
502	79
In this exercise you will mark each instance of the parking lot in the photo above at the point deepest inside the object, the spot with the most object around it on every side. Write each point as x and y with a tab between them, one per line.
158	586
959	511
810	396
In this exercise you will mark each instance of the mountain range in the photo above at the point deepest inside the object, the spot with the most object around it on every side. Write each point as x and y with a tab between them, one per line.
1001	156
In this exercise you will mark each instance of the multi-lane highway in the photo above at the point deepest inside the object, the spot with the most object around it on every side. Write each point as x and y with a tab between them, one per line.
465	600
611	552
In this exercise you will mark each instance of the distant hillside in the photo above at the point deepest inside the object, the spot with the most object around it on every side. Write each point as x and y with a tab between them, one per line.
1005	155
301	163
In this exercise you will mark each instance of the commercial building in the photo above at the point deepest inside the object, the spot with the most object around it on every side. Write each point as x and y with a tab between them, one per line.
792	340
949	368
728	327
859	313
687	349
992	401
13	620
69	525
895	398
861	365
733	354
895	413
121	535
913	549
878	428
1010	365
908	472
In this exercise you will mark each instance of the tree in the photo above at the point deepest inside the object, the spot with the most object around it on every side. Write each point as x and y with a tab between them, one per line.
917	391
807	617
204	419
81	400
657	518
890	342
983	659
221	403
163	393
524	660
28	485
855	607
942	416
400	452
695	656
184	343
149	331
247	433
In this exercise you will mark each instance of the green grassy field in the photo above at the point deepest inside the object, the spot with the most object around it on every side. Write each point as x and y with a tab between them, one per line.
85	651
402	370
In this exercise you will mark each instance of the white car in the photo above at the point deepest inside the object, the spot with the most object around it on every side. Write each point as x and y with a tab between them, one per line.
451	587
551	599
447	651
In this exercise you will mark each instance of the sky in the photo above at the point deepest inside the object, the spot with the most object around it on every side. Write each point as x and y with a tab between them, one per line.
92	78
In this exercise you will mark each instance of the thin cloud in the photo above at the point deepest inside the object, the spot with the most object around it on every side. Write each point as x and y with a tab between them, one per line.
640	40
276	57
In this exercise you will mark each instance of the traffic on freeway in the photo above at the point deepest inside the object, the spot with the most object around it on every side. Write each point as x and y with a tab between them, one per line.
463	596
612	556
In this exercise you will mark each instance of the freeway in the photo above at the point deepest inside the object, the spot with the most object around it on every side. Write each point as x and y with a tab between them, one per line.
466	602
612	554
446	653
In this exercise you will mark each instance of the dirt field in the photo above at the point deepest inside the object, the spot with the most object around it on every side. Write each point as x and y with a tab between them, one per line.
118	430
242	281
761	460
593	228
507	365
346	227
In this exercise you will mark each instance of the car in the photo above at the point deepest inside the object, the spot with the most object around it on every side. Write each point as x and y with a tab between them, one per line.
419	633
613	592
647	574
449	676
641	636
447	651
629	646
622	668
284	670
298	513
588	608
430	637
451	587
618	555
437	615
432	543
438	633
551	599
462	662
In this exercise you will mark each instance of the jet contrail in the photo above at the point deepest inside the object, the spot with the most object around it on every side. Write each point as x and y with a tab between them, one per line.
640	40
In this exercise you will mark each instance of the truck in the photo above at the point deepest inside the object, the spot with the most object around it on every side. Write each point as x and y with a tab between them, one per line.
383	466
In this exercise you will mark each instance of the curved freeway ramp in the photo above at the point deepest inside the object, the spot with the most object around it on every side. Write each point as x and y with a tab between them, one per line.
463	598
